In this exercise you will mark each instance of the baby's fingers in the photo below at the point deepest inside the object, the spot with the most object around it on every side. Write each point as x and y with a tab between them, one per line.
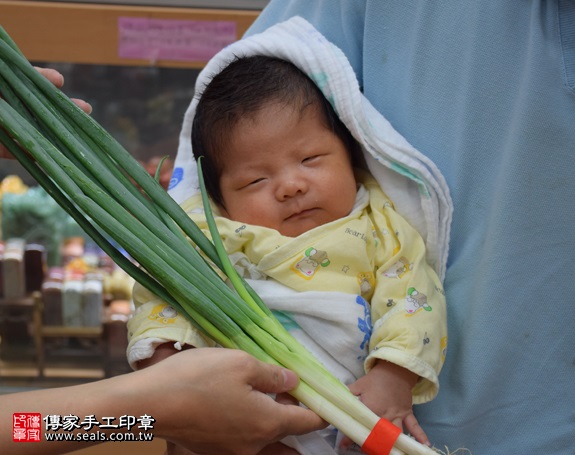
345	443
412	426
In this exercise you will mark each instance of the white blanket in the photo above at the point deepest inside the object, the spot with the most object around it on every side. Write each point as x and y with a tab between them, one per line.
334	326
409	178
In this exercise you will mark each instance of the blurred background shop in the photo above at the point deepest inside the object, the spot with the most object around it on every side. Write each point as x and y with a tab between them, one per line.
63	303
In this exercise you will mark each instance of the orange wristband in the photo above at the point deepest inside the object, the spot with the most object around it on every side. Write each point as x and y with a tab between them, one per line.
382	438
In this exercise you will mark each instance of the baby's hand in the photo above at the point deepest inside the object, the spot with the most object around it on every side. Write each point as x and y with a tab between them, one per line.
386	390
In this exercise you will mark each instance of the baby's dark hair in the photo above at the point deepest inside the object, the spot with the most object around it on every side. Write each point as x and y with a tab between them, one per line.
240	90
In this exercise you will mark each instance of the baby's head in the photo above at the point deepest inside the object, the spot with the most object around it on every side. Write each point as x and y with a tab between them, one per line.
275	152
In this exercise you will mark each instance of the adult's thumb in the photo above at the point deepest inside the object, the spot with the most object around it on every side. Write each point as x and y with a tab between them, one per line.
274	379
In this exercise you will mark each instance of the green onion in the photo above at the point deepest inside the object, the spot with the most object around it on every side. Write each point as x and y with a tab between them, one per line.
91	176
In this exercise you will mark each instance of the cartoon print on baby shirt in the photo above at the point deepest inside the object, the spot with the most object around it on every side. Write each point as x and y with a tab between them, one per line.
374	235
364	325
163	313
415	301
177	177
399	268
240	230
426	339
309	264
443	345
366	282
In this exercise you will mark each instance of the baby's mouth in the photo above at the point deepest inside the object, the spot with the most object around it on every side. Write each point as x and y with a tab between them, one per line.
302	214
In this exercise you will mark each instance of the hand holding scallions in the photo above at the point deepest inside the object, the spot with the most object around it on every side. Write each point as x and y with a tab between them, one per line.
57	79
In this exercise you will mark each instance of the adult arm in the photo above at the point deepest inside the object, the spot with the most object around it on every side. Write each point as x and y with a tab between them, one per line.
198	399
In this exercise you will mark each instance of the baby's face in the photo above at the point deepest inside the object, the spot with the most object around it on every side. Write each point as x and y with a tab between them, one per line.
286	171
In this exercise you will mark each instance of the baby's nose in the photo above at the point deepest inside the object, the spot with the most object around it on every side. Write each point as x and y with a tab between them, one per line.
290	186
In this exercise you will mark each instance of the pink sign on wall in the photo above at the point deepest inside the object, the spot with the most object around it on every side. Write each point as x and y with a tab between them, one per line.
166	39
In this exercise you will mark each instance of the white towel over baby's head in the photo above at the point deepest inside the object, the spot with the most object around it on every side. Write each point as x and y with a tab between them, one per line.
414	184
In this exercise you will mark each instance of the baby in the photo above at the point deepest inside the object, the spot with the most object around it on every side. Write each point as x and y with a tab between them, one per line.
293	205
